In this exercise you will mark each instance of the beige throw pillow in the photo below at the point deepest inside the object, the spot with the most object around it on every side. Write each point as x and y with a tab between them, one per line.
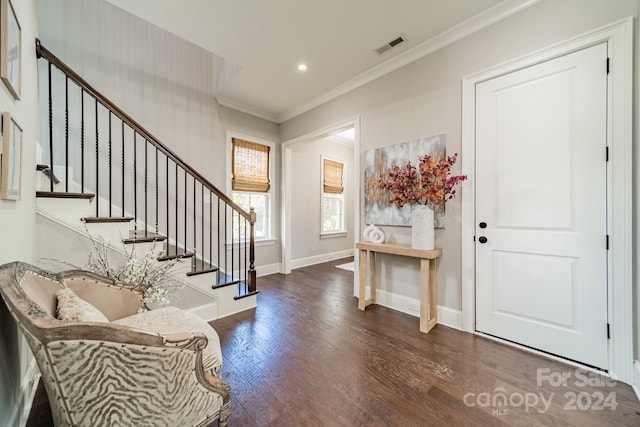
72	308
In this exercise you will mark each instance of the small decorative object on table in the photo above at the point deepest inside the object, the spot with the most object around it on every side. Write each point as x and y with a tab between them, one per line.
428	186
373	234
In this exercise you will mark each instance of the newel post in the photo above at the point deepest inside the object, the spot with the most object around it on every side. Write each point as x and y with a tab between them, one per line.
252	252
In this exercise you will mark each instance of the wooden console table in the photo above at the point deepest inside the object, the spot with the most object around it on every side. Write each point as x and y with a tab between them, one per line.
428	284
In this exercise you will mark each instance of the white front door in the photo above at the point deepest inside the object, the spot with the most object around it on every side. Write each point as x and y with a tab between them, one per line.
541	206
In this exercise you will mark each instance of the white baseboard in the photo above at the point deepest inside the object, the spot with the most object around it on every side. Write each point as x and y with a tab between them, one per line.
319	259
636	378
411	306
265	270
206	312
450	317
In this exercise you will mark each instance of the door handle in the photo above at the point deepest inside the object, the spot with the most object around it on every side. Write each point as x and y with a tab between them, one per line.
482	239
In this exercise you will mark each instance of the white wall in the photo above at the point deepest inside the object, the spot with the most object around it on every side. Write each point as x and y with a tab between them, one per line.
18	217
424	98
254	128
17	224
162	81
306	196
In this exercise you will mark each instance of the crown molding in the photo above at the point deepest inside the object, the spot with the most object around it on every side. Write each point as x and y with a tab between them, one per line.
248	109
489	17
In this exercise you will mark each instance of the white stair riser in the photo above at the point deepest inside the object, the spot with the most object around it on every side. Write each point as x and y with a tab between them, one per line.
68	211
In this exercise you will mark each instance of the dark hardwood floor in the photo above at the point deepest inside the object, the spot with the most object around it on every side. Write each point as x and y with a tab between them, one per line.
308	357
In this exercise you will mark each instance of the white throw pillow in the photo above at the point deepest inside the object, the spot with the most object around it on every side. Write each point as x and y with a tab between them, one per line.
74	309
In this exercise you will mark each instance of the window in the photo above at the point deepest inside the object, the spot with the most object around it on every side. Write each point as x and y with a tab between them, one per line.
251	182
332	197
260	202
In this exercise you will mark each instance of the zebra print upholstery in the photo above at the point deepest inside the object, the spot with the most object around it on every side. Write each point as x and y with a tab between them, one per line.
103	373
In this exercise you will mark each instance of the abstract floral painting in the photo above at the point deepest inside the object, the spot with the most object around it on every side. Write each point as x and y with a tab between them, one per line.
377	164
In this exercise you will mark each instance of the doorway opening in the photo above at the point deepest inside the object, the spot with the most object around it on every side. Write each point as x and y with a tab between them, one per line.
312	232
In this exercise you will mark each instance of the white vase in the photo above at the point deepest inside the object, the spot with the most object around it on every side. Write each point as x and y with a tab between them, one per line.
422	222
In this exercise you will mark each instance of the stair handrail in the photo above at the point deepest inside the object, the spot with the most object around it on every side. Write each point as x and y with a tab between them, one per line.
43	52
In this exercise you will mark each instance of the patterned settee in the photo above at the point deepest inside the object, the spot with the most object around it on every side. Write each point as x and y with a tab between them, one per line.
129	368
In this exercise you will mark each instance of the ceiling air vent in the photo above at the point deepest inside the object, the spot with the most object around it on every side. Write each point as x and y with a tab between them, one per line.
393	43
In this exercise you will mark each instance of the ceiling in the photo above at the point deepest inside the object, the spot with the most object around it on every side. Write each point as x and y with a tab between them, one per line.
266	40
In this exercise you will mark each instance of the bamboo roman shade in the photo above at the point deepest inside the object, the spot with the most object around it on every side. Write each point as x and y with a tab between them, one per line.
249	166
332	172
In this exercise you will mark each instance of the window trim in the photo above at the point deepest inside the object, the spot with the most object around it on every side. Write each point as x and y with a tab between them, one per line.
258	242
333	235
228	175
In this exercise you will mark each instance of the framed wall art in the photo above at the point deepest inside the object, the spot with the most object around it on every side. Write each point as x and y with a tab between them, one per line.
10	48
378	162
11	164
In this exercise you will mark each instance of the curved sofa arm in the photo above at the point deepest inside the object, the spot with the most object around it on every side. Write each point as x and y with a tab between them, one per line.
197	341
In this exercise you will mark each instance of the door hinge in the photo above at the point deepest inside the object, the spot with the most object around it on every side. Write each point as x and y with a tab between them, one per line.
606	155
607	242
608	331
608	65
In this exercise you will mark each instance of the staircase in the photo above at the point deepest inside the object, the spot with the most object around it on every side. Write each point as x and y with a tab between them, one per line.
103	173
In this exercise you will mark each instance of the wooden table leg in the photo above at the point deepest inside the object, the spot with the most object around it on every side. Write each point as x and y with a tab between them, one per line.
433	294
365	256
372	278
428	295
363	280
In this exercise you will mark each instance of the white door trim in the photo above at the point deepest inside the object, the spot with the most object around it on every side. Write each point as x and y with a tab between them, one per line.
619	36
287	181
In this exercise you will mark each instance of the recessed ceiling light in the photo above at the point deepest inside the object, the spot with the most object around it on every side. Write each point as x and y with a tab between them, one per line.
302	67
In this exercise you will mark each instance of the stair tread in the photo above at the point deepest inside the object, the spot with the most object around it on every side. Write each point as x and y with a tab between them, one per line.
223	279
201	266
98	219
150	237
248	294
205	271
63	195
174	256
46	170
